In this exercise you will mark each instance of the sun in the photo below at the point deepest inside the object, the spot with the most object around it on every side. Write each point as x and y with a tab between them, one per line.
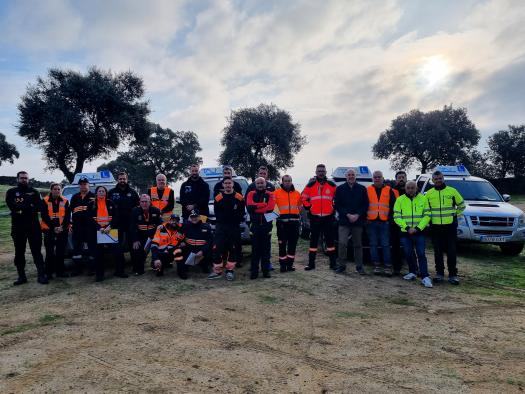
433	72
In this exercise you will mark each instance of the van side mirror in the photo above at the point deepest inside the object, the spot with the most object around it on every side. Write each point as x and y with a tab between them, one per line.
506	197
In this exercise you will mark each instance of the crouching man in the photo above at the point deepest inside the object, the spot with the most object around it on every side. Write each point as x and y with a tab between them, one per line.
198	240
166	245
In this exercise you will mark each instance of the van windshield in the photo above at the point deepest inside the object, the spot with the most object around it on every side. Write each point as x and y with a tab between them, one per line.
475	190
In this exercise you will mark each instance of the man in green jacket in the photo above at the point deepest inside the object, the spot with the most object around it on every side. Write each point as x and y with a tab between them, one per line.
446	204
411	214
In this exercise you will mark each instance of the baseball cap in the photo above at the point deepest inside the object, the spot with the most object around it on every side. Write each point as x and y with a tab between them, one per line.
83	180
194	212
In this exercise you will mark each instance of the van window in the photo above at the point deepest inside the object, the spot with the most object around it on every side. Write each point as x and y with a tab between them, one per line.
421	183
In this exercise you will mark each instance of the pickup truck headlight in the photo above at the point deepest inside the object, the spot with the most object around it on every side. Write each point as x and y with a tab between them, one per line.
521	220
462	221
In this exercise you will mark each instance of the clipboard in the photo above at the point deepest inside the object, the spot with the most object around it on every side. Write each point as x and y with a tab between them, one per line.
271	216
193	259
111	238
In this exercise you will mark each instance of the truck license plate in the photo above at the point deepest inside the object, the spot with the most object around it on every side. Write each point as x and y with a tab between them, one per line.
493	239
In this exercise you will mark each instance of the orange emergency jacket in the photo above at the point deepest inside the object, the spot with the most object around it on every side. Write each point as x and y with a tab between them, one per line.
165	237
379	207
318	197
288	203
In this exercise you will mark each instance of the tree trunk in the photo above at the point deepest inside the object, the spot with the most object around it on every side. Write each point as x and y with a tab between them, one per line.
67	173
79	165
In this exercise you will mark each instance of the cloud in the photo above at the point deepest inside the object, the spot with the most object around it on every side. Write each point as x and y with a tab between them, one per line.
343	70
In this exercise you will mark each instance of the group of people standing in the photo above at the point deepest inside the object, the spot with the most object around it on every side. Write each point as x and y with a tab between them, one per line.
392	216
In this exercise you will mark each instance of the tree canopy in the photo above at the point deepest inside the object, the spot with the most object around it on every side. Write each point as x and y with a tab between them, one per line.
265	135
428	139
8	151
506	151
76	118
167	152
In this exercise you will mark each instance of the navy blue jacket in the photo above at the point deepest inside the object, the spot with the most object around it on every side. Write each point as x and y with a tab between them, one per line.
351	200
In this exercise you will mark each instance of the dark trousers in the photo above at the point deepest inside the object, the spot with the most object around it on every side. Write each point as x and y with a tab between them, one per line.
417	242
357	242
324	225
97	252
225	245
444	241
395	242
55	245
287	235
138	257
20	238
81	237
261	247
170	255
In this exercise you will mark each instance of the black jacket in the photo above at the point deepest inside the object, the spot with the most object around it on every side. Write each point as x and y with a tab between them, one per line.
112	212
352	200
219	188
125	200
195	192
269	186
198	237
229	208
25	203
139	228
52	223
79	215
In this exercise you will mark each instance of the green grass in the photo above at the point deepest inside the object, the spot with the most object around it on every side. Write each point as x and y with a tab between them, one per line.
44	320
401	301
266	299
518	199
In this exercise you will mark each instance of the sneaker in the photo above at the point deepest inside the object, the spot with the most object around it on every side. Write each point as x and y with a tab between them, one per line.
290	268
340	270
453	280
214	275
271	267
388	272
411	276
360	270
377	271
309	267
427	282
230	275
439	278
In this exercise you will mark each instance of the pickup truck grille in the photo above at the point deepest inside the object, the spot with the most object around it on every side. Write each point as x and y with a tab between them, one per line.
492	232
492	221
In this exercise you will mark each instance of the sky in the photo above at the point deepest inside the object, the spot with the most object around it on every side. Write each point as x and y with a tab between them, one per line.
343	69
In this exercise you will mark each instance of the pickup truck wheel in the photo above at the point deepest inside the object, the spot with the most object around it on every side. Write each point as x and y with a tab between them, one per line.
512	249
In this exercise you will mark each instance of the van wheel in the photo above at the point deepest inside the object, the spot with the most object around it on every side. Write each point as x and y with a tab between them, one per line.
512	249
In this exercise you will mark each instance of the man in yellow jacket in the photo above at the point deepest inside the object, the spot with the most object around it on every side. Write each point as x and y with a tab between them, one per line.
411	214
446	204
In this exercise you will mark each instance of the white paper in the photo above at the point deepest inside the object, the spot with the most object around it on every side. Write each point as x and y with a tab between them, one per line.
111	238
193	259
271	216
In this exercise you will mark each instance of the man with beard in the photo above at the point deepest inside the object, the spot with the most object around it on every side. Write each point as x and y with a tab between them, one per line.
198	240
81	226
167	245
194	194
24	202
125	199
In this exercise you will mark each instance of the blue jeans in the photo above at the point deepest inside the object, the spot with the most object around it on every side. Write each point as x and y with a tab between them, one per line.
379	235
416	241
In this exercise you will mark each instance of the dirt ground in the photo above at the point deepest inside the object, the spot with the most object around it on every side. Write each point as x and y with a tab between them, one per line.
301	332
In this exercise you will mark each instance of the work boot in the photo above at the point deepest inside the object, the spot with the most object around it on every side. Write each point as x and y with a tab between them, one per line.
121	275
99	278
340	270
284	267
266	274
309	267
360	270
21	280
388	272
42	279
333	264
62	275
254	275
290	267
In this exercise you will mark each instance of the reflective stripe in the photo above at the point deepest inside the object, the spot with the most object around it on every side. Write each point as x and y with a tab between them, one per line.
282	258
312	249
291	256
331	249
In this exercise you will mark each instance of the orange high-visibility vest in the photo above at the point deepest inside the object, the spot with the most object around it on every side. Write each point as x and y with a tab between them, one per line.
102	218
60	215
162	201
288	203
379	208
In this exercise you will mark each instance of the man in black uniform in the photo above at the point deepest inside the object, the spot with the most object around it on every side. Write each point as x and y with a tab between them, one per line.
24	202
143	223
395	230
198	240
229	211
227	172
81	225
194	194
260	202
125	199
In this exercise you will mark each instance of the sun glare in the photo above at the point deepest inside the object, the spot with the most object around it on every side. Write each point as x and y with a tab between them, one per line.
433	72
